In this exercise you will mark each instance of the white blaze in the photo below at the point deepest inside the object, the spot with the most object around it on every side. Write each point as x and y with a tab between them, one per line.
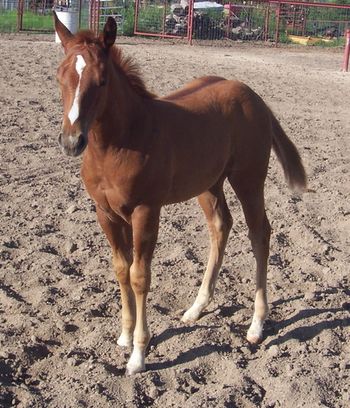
74	111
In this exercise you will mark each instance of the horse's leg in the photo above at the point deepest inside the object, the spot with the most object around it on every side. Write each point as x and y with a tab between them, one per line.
251	196
145	223
219	221
119	235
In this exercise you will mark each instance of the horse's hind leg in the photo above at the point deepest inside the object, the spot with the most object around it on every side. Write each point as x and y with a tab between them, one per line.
251	196
219	221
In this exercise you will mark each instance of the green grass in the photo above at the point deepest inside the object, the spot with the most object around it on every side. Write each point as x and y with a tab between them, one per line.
128	25
337	42
8	21
31	21
35	22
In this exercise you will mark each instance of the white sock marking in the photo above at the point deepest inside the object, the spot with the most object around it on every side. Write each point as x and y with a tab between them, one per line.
193	313
255	332
125	340
136	363
74	111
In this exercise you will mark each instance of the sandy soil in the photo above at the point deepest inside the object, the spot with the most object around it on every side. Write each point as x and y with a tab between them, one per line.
59	301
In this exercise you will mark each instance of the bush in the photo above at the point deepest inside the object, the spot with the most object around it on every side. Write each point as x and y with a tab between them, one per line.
150	19
128	22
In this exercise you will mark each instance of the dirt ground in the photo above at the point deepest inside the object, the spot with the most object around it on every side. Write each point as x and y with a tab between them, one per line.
59	300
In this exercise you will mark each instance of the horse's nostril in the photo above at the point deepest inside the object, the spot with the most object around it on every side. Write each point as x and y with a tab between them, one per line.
72	145
81	142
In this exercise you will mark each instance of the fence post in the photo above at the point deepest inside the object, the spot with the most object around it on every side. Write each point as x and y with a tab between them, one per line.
346	51
267	22
164	19
190	18
20	9
80	5
278	17
136	15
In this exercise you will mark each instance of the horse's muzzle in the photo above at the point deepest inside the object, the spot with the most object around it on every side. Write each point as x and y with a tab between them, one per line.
72	145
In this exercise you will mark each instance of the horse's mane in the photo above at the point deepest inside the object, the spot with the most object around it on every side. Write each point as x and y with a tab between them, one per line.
131	70
124	65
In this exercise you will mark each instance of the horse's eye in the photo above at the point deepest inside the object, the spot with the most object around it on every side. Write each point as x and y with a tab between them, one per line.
102	82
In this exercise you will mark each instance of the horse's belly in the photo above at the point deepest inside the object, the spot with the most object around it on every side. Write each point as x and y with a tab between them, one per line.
193	182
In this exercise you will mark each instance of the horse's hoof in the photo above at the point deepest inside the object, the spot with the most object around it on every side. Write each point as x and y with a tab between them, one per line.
124	341
136	363
134	369
255	331
254	338
192	314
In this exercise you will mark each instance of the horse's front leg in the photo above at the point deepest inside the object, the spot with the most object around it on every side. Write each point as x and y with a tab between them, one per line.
119	235
145	221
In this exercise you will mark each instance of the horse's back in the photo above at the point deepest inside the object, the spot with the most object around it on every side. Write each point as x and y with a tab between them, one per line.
192	88
226	98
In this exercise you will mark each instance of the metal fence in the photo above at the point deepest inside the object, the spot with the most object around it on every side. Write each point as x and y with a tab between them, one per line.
279	21
121	10
310	23
200	20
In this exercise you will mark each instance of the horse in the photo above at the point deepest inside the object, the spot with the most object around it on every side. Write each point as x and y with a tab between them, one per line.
142	152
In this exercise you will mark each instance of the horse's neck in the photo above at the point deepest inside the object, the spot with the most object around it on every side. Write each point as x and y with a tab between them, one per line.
122	106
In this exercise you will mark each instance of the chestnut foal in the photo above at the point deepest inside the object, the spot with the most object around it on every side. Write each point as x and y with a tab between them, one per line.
142	152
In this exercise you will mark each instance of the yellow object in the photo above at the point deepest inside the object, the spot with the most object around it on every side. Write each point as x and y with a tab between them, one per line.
307	40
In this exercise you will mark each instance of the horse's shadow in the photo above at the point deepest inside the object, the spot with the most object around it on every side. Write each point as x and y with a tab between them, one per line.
301	333
185	357
190	355
176	331
197	352
305	332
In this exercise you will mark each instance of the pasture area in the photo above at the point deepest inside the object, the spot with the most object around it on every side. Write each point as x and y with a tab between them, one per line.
59	300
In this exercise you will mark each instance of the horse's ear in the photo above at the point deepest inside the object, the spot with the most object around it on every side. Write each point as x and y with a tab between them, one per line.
109	32
62	31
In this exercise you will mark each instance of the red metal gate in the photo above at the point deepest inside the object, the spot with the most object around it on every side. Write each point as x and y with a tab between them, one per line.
94	15
295	17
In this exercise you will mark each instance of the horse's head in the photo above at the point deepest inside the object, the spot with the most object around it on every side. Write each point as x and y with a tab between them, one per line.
83	80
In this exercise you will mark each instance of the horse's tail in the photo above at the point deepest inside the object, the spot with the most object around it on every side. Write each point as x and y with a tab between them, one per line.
289	157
